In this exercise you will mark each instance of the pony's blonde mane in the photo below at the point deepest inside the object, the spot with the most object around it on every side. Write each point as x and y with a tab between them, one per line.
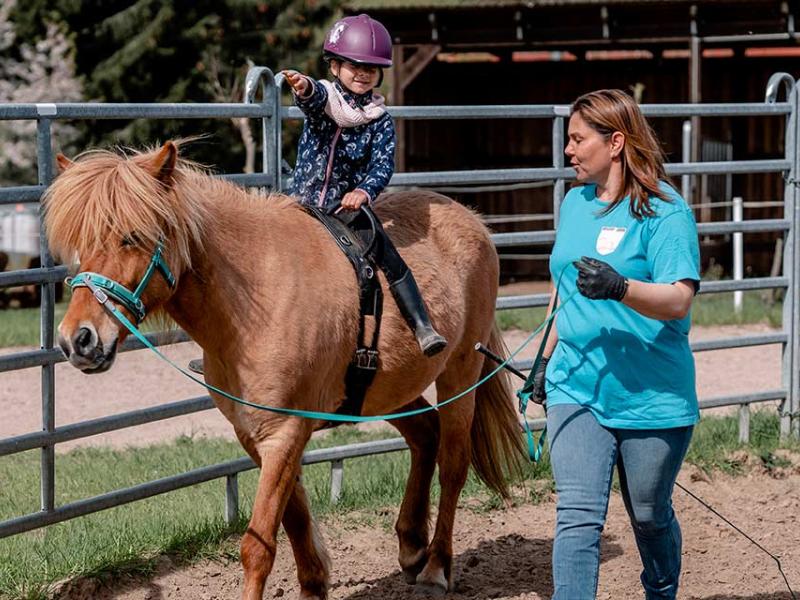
104	196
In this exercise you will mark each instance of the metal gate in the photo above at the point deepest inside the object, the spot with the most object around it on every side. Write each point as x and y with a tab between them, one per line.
272	113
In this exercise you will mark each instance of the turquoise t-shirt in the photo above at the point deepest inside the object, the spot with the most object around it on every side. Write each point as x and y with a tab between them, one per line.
631	371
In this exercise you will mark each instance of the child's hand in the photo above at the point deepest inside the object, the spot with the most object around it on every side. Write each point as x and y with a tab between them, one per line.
297	81
354	200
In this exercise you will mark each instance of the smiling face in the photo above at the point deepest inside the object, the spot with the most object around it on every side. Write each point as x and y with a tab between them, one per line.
591	154
359	79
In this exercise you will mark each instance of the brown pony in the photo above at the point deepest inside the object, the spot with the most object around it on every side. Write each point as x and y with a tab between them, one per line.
262	287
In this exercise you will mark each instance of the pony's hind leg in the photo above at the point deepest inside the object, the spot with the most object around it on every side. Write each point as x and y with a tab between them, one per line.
280	456
310	554
421	432
454	455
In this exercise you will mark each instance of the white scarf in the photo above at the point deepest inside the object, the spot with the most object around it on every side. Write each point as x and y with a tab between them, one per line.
345	115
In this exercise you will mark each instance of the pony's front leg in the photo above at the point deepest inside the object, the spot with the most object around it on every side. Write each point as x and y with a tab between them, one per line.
280	455
421	432
310	554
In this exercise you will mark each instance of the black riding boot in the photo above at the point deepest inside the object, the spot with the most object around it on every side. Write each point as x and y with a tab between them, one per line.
406	293
409	300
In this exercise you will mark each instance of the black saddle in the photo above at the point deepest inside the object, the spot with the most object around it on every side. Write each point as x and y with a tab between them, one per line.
358	246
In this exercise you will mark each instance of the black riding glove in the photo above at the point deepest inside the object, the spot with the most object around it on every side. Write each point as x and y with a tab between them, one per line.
599	281
538	393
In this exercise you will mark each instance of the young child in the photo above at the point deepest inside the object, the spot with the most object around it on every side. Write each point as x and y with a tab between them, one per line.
346	150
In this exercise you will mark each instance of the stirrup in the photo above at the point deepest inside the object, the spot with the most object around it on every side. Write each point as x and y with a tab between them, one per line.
196	365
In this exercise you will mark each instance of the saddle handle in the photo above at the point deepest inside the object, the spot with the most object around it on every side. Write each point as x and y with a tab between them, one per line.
373	224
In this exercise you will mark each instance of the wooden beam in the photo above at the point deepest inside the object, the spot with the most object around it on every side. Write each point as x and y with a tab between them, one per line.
412	67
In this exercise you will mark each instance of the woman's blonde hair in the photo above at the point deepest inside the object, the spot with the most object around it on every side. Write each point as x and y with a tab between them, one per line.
608	111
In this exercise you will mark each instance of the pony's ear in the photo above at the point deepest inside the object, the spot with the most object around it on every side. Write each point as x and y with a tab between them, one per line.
63	162
163	163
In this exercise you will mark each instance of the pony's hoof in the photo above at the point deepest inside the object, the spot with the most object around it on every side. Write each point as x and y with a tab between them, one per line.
433	590
410	576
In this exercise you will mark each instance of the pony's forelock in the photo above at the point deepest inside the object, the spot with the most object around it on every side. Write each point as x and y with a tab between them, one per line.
104	196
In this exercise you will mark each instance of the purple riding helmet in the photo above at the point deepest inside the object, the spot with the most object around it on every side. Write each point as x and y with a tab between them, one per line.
360	40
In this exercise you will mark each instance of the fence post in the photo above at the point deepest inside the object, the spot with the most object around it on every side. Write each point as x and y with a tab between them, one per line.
44	161
793	421
744	423
738	253
558	163
337	476
789	375
686	157
231	499
270	125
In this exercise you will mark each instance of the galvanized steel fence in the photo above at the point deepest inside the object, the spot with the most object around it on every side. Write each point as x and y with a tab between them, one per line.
271	112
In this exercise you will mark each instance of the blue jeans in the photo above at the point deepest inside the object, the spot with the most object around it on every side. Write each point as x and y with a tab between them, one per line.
583	454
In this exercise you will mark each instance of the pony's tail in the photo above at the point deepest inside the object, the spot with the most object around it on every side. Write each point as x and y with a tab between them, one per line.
497	444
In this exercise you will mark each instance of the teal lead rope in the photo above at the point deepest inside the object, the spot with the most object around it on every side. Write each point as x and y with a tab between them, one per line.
526	392
104	299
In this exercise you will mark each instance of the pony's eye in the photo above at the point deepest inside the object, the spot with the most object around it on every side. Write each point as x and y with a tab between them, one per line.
132	239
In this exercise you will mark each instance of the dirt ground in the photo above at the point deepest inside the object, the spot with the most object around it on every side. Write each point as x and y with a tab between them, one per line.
505	554
501	554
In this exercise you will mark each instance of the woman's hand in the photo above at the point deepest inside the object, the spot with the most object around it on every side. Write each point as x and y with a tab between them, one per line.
297	81
355	199
539	395
598	280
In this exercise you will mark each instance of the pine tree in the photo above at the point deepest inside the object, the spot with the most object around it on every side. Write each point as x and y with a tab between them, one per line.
39	72
181	51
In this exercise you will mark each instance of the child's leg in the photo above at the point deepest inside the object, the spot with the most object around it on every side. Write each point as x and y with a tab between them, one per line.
649	462
406	293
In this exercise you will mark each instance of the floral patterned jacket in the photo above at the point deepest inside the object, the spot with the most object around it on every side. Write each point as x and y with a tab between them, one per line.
334	160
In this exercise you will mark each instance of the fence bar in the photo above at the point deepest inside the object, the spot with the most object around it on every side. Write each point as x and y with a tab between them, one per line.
722	227
231	499
30	276
481	176
737	399
123	110
536	111
107	424
739	342
337	477
38	358
22	193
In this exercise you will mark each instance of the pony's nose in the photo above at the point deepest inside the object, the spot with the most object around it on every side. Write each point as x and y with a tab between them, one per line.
82	342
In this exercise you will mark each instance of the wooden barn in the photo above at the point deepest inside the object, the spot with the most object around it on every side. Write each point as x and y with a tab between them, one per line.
550	51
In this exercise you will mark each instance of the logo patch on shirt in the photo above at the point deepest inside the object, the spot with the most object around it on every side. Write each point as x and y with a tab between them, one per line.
609	239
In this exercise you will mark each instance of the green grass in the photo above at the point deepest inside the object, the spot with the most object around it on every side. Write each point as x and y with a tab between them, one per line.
708	309
188	524
20	326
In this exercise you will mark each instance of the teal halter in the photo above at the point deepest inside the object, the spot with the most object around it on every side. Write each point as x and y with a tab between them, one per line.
104	288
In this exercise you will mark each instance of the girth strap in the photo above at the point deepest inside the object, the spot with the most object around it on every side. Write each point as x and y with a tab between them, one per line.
362	369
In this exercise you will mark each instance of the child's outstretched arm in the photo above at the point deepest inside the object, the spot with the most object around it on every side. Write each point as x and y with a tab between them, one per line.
309	96
381	162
